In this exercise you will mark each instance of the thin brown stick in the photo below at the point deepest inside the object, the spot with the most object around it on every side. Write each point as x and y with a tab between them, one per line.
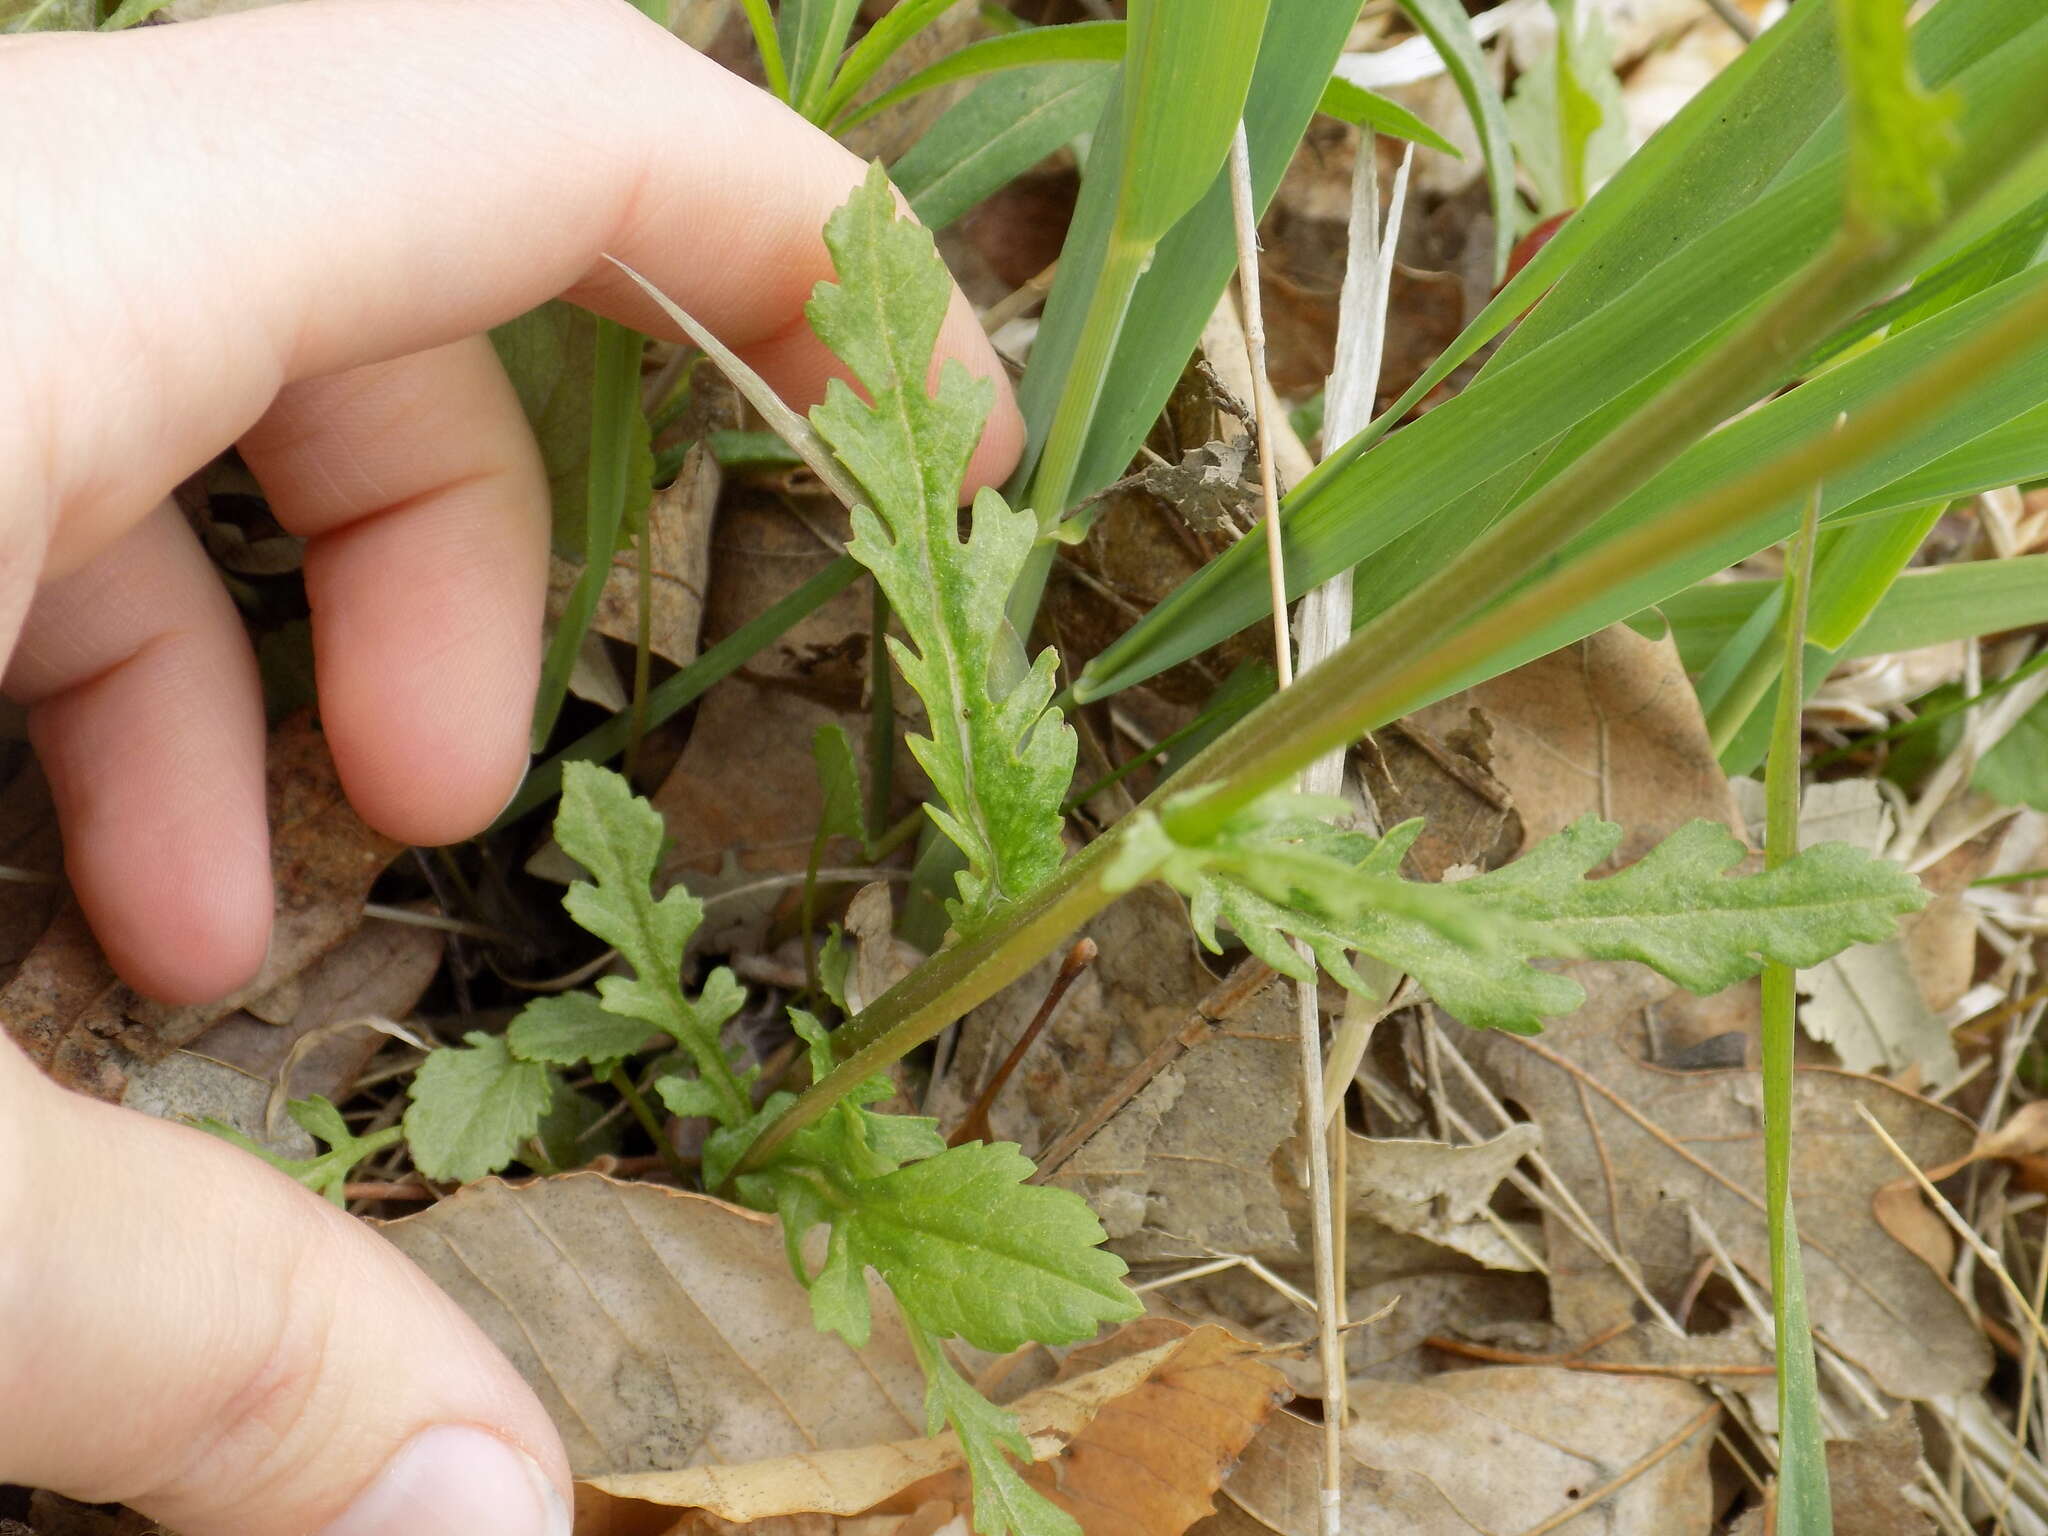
1622	1479
1210	1015
974	1125
1571	1362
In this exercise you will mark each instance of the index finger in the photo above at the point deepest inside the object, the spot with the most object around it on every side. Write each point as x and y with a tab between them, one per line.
297	191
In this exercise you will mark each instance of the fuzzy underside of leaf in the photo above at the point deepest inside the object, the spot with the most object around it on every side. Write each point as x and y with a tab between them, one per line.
1470	943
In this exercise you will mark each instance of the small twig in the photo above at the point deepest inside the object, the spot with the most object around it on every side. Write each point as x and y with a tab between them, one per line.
974	1124
385	1189
1020	302
1211	1014
1627	1475
436	920
1571	1362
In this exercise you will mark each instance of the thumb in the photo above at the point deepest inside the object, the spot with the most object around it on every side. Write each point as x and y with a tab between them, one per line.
189	1332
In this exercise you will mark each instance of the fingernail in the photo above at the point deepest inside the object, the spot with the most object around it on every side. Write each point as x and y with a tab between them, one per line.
456	1478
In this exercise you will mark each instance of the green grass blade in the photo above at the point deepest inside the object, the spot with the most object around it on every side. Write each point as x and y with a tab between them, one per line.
1923	607
676	693
1803	1507
1584	382
762	23
1186	72
1178	292
813	32
1079	42
1187	67
901	23
617	428
999	130
1853	569
1356	105
1450	29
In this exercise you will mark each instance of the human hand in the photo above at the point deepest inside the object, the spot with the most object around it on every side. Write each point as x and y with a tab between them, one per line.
288	230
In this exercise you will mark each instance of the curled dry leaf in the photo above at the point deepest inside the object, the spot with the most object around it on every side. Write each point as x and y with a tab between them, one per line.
1643	1147
1477	1453
1432	1190
243	1069
679	517
661	1330
1143	1438
70	1013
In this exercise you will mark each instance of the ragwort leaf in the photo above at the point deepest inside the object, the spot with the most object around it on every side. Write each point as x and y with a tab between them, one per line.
999	758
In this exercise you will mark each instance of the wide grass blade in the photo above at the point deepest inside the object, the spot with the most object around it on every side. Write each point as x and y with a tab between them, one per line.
813	32
1080	42
1178	292
995	133
1930	606
1186	71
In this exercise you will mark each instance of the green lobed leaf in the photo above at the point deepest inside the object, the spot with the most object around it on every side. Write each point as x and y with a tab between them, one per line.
617	837
573	1027
973	1251
998	757
473	1107
1004	1504
1469	943
327	1173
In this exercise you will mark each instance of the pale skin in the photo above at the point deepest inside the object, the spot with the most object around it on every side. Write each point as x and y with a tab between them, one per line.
287	231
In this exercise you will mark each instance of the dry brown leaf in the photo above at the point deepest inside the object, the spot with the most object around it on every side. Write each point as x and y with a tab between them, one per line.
680	516
1492	1451
1868	1475
1432	1190
661	1330
236	1071
1142	1441
1641	1146
1468	815
1190	1165
1608	727
71	1014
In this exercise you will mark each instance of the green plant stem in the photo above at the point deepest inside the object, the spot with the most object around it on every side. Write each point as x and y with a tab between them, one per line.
643	643
676	693
637	1103
1359	689
1802	1463
1052	484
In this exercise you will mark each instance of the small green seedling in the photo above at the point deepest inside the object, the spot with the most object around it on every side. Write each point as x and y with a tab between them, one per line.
326	1174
